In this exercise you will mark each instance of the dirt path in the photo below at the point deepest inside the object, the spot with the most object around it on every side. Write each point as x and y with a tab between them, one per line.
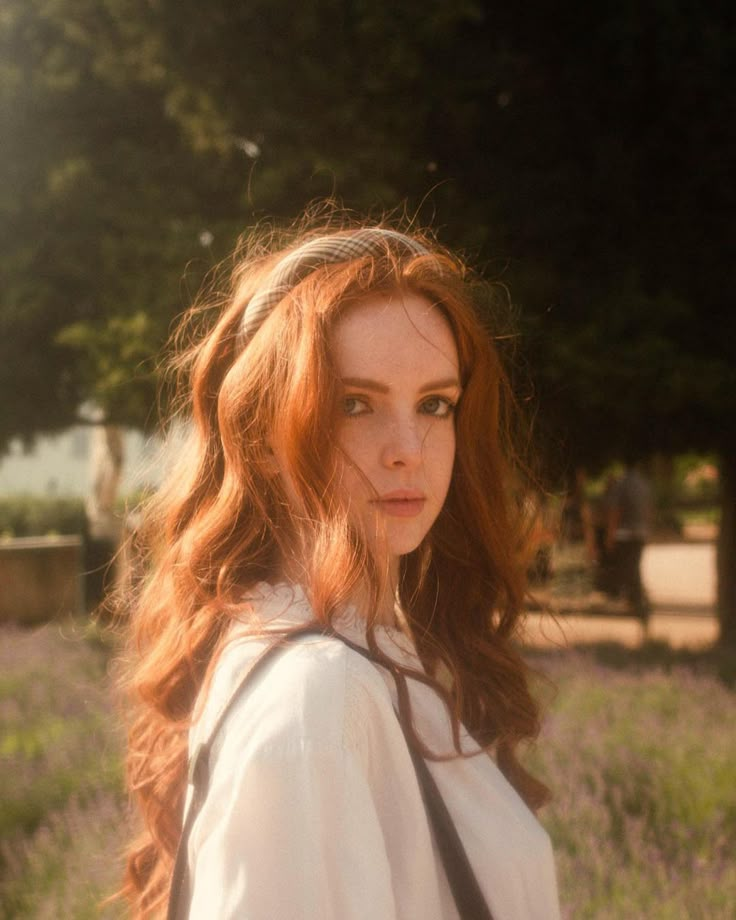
678	630
680	579
681	575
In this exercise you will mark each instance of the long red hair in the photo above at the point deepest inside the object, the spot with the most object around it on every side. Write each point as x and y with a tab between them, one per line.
223	522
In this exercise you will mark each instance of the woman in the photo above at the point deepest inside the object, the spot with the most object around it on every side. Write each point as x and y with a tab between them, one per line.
344	472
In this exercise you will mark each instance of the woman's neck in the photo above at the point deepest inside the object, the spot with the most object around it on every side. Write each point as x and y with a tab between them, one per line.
385	611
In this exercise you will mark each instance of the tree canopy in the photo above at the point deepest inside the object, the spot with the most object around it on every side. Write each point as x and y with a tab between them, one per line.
584	155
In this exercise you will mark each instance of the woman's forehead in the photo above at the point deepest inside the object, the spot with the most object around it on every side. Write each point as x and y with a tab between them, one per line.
392	334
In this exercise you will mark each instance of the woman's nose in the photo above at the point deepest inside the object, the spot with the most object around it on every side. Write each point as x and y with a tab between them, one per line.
402	445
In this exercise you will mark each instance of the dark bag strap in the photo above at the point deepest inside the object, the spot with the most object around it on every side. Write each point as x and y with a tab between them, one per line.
469	899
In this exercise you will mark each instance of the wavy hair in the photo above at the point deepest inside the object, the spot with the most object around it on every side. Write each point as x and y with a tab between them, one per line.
223	521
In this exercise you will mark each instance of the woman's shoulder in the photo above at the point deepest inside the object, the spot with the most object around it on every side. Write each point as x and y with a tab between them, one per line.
314	691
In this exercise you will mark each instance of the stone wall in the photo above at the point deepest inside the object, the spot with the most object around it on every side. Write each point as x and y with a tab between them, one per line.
40	578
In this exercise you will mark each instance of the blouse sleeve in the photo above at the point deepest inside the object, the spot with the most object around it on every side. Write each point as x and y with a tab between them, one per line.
293	825
295	836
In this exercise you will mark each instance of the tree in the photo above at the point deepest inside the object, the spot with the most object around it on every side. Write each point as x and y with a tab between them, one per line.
630	313
583	155
93	233
97	215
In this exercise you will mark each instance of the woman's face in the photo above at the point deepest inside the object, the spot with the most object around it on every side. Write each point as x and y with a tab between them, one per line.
398	364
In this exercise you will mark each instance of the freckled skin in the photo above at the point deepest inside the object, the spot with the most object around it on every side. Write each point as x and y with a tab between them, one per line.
399	365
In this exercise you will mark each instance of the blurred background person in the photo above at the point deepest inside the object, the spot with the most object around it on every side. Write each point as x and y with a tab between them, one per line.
629	525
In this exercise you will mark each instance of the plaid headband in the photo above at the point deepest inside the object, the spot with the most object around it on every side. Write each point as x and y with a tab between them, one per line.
312	255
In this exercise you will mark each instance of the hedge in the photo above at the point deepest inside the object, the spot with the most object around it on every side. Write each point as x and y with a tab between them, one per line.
34	516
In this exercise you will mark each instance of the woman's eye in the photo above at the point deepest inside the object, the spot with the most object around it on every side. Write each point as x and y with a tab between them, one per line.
438	406
354	405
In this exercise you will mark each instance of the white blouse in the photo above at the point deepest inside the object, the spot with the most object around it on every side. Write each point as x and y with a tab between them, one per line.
314	811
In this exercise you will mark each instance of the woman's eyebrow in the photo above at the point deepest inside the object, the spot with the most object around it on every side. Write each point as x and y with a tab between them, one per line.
446	383
365	383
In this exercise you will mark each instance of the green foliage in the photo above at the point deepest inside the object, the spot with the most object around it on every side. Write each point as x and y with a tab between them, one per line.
584	159
31	516
96	216
116	360
697	478
579	157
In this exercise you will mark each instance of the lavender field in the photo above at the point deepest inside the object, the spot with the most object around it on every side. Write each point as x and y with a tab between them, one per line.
62	810
639	748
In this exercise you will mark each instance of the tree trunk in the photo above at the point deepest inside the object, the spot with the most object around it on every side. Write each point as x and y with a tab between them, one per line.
108	453
726	555
103	524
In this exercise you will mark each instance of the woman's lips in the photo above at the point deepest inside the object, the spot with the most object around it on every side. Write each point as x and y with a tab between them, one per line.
401	503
